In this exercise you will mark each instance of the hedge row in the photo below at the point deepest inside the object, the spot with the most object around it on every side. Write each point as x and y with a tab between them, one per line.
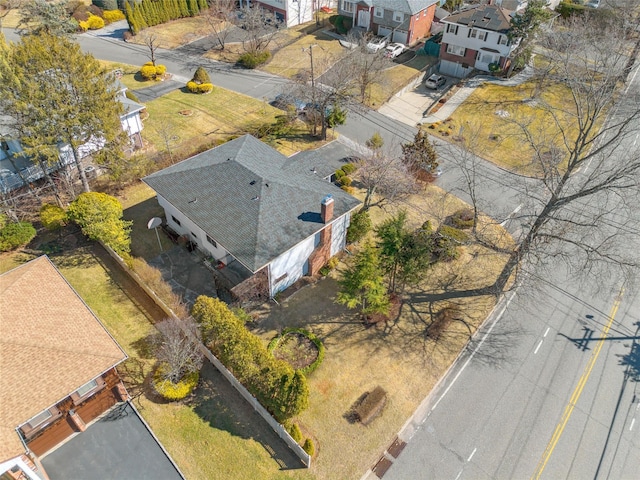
147	13
277	386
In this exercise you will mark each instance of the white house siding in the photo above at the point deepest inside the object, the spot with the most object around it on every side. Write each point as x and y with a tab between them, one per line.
453	69
339	234
297	11
195	233
292	263
131	123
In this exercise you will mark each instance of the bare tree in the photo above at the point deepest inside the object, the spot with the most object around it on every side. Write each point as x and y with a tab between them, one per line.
178	346
385	177
152	42
220	17
259	27
366	67
167	133
589	169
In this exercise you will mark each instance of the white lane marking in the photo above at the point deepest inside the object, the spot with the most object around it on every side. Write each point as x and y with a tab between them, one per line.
547	331
459	473
538	347
516	210
474	352
632	422
472	454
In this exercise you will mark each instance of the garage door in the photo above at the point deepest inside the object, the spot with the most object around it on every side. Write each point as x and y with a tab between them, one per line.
453	69
400	36
384	31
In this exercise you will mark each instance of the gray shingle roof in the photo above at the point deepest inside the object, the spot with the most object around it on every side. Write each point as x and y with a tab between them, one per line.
245	197
406	6
324	160
487	17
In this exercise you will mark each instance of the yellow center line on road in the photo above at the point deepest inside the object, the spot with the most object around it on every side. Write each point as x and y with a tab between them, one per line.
577	392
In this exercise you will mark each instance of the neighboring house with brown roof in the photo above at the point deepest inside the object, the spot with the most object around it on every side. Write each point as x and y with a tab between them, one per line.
57	366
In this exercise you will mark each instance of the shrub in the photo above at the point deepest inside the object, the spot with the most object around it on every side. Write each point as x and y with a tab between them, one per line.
174	391
160	70
359	227
14	235
441	321
95	23
4	220
111	16
252	60
148	72
96	10
84	26
192	86
314	339
371	406
346	181
201	76
454	234
81	14
294	431
462	219
131	96
567	9
349	189
349	168
205	88
278	387
52	217
309	447
339	174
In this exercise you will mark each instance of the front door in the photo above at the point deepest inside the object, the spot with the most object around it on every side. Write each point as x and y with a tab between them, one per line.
363	18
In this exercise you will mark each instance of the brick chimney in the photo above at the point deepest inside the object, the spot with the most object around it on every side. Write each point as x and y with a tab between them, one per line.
326	209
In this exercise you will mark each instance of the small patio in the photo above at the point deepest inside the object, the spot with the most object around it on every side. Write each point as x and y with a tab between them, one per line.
118	445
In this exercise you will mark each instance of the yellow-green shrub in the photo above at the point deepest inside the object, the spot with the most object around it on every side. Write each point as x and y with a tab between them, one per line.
84	26
174	391
111	16
148	72
194	87
309	447
52	217
95	22
160	70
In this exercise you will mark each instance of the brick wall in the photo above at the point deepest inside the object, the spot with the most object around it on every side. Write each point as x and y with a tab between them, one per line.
320	256
255	288
421	25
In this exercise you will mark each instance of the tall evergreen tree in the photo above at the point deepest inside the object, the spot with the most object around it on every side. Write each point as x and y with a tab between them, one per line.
59	95
420	153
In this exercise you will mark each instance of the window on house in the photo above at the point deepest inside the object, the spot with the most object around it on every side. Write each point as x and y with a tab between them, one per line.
40	419
455	50
502	40
347	6
175	220
86	388
378	12
482	36
398	16
451	28
473	33
212	241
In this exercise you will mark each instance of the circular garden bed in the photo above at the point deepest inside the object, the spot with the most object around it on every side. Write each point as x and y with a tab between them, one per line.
299	348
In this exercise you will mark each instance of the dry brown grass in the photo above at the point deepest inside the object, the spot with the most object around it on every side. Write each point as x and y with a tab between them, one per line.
398	355
176	33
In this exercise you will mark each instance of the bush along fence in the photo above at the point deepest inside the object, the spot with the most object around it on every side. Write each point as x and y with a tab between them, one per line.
299	451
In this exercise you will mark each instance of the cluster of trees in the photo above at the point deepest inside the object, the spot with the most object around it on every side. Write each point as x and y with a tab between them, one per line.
279	388
14	234
147	13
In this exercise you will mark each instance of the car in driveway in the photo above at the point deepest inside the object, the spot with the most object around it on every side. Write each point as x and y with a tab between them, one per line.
376	44
286	100
394	49
435	81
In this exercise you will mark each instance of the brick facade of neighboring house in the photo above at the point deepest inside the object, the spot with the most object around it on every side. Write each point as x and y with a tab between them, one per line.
259	214
475	39
294	12
57	363
402	21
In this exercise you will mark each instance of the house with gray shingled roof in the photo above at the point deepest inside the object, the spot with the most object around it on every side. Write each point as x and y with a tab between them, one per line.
476	38
402	21
244	204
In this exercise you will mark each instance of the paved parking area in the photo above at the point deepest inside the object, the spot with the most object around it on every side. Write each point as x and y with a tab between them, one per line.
117	446
411	106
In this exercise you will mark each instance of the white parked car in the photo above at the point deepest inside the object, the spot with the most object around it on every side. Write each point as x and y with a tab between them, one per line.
376	44
435	81
394	49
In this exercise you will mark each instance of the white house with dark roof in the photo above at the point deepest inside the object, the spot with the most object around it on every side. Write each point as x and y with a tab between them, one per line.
244	204
474	39
403	21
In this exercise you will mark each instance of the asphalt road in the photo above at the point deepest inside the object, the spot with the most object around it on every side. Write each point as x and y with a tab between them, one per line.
550	389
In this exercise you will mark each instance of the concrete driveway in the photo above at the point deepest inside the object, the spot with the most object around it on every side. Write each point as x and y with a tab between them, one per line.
117	446
411	106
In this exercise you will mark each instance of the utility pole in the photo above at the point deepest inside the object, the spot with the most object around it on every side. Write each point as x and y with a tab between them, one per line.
313	85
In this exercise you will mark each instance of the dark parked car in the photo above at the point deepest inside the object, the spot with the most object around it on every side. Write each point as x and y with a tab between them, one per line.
435	81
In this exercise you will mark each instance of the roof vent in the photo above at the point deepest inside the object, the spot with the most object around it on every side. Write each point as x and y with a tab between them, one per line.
256	198
252	182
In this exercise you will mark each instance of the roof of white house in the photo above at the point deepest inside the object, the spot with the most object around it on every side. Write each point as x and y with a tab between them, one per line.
247	197
487	17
